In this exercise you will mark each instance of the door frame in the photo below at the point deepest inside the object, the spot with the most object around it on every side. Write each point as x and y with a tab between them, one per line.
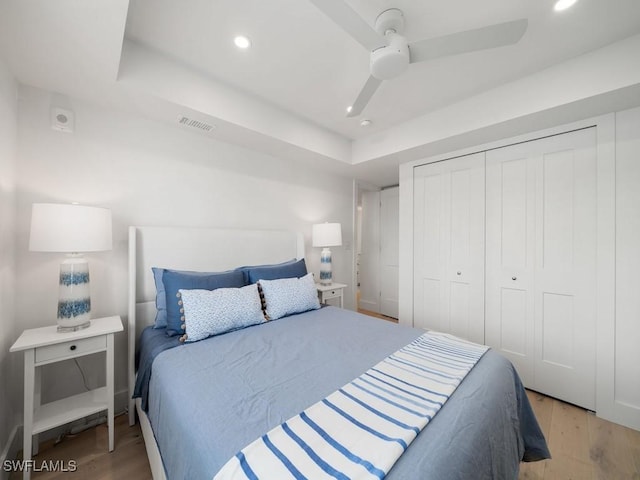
358	188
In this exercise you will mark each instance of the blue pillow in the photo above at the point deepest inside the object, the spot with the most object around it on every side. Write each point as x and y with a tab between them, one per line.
291	269
175	280
161	299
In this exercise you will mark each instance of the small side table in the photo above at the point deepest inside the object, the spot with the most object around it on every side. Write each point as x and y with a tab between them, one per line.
335	290
46	345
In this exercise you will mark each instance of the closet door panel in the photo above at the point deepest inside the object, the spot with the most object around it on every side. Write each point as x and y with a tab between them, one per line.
427	256
510	184
465	268
449	246
565	276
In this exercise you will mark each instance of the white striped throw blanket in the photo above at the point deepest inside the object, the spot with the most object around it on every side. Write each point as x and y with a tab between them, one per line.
360	430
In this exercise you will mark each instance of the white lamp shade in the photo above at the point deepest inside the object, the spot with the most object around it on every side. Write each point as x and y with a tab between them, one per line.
69	228
326	235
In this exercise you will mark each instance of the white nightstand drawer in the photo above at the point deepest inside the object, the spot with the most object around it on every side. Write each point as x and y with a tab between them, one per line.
332	294
71	349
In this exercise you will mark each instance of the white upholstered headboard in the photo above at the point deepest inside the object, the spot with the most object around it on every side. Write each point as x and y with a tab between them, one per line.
198	249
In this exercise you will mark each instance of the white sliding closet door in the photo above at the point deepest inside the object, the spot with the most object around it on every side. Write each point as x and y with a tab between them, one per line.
541	262
449	246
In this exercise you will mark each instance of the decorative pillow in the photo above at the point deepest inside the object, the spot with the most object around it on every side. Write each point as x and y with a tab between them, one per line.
175	280
212	312
287	296
290	269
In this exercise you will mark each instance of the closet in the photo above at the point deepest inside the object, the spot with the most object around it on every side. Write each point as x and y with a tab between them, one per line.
505	253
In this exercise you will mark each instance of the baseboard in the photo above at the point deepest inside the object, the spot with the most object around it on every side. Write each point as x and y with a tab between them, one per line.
10	450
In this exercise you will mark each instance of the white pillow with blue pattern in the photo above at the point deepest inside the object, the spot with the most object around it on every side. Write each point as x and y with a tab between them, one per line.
212	312
287	296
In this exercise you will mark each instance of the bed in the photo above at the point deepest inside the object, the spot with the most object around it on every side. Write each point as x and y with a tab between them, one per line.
206	400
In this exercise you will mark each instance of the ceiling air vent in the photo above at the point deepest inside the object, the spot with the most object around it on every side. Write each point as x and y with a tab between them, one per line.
190	122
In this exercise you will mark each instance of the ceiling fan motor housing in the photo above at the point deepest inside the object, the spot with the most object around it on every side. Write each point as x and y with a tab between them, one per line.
390	61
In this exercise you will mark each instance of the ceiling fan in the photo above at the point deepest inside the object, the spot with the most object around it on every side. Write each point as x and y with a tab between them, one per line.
391	53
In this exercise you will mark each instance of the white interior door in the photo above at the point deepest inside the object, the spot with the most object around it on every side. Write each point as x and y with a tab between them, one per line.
449	246
389	250
370	253
541	262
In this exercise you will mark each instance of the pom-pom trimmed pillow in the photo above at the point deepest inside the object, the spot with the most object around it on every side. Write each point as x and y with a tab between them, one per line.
212	312
287	296
175	280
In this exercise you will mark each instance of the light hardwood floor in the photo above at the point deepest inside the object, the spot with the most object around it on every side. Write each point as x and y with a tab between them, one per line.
89	450
377	315
583	447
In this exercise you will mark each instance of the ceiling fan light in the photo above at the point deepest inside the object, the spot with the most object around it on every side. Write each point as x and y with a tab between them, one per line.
390	61
563	4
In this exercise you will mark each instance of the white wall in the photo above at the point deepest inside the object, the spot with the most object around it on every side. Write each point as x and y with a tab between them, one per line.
8	129
150	173
626	394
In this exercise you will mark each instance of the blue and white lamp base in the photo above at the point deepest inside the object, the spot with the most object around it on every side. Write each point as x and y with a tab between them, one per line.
326	277
74	300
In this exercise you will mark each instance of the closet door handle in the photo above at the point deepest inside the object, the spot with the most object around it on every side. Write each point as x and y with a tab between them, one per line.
458	272
514	278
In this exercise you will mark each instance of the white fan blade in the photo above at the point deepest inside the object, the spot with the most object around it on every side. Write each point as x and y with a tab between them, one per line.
352	23
365	95
497	35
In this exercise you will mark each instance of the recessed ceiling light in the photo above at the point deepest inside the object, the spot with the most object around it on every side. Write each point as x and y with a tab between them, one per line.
365	123
349	108
242	42
563	4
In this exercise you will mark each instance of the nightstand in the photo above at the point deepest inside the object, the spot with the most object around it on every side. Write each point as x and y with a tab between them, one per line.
46	345
335	290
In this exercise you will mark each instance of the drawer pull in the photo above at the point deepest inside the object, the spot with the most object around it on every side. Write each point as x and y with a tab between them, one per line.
514	278
72	347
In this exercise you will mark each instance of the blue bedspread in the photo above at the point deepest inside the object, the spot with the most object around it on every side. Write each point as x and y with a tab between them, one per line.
209	399
152	342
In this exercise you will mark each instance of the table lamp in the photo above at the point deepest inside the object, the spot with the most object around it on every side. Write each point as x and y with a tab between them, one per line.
326	235
71	229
